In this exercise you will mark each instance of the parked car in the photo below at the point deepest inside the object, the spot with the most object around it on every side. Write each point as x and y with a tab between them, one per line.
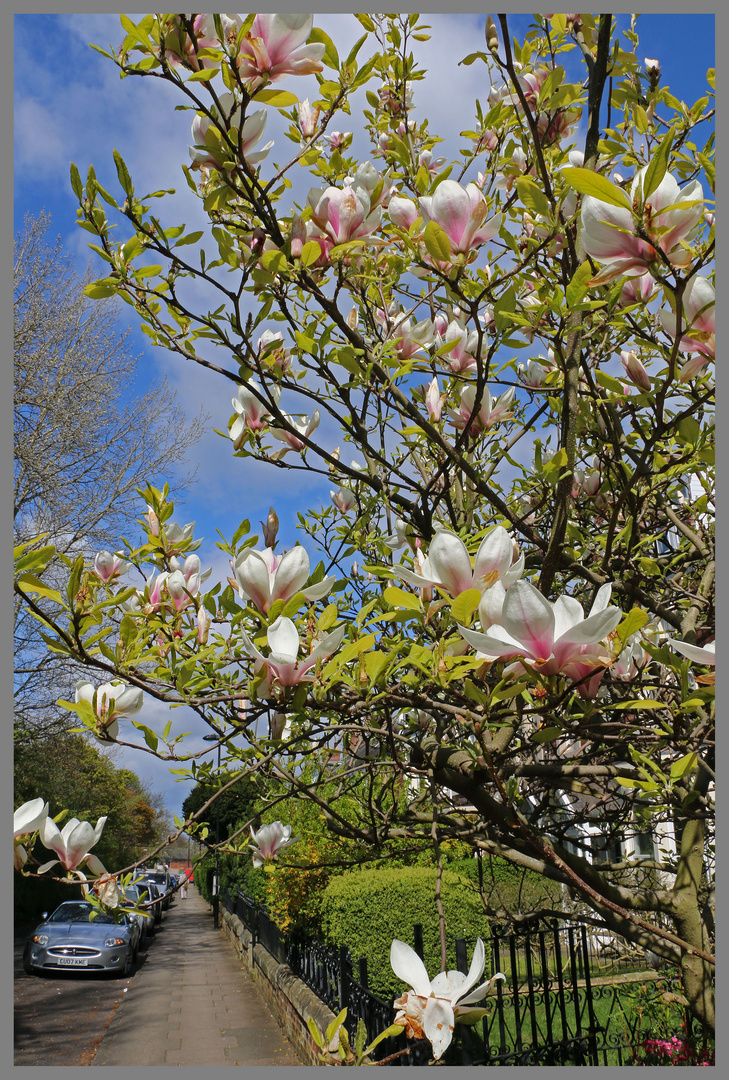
71	938
162	879
136	896
155	894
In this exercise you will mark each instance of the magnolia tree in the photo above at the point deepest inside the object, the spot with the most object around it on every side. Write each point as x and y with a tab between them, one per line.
509	627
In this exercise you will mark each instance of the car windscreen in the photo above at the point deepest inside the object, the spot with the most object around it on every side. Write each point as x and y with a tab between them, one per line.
79	913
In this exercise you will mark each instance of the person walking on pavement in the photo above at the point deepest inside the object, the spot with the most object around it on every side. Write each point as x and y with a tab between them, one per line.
183	888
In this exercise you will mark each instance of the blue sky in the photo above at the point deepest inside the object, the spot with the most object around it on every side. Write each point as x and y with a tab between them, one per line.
79	110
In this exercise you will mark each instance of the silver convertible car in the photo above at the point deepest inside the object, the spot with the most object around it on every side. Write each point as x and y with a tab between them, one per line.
71	939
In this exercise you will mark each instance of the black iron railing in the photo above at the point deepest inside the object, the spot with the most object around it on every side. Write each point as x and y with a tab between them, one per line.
548	1010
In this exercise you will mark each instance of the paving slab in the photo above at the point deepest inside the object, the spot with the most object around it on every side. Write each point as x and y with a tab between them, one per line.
193	1002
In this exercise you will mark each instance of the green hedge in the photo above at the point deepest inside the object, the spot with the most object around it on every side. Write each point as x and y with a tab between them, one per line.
367	909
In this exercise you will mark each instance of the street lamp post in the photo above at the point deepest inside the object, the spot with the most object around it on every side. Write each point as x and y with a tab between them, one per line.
216	879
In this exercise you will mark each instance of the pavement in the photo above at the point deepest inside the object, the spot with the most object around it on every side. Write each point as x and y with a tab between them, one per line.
193	1002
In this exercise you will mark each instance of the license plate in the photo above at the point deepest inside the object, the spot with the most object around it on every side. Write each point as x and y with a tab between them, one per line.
73	961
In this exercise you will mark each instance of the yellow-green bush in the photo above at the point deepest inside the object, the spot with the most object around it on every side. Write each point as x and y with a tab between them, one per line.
367	909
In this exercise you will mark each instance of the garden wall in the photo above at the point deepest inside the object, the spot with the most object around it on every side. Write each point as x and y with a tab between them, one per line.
290	1000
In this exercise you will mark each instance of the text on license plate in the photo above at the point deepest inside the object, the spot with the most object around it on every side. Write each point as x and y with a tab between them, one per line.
73	961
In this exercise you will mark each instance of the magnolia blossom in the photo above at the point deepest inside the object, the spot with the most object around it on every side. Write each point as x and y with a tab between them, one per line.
553	638
107	566
670	216
635	370
587	484
461	213
434	401
345	498
504	181
403	212
427	161
303	425
344	213
638	290
106	888
152	521
308	118
72	844
270	347
269	840
431	1009
284	668
170	590
337	140
228	117
489	413
697	324
532	375
191	572
177	535
263	578
181	50
462	355
26	819
203	625
275	46
448	564
110	701
634	656
700	655
367	178
251	409
279	725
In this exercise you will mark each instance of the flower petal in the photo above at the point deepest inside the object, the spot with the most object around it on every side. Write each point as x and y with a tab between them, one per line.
408	966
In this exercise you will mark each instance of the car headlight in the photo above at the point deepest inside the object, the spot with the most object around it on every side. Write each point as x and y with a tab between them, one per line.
111	942
41	939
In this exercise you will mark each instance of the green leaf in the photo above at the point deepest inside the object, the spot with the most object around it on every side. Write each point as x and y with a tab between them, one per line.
128	630
437	243
683	765
639	703
587	182
97	291
374	663
633	621
608	382
293	605
123	173
76	183
547	734
336	1023
203	75
35	560
310	253
280	99
315	1032
274	261
577	287
689	430
532	196
394	1029
657	168
398	598
465	604
331	56
327	618
30	583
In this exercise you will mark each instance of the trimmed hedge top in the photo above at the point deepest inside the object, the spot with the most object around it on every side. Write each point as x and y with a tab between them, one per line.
367	909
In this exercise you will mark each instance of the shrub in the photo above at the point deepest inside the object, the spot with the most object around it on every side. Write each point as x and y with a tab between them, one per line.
507	887
367	909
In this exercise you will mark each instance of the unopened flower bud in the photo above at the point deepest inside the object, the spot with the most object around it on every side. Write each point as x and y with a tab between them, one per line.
152	520
270	529
203	625
492	37
635	370
353	319
298	237
308	118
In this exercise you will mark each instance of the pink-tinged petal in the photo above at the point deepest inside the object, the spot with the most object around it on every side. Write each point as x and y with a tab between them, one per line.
602	598
403	212
450	562
495	553
408	966
321	589
492	605
252	575
328	645
29	817
567	613
450	207
588	632
95	865
700	655
514	573
291	573
283	638
439	1024
418	580
479	994
251	649
497	643
528	617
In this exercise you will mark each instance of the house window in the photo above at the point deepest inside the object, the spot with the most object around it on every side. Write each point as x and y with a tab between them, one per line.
605	850
643	845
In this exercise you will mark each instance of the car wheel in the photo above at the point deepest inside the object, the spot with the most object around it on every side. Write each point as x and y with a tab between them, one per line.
124	972
27	966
